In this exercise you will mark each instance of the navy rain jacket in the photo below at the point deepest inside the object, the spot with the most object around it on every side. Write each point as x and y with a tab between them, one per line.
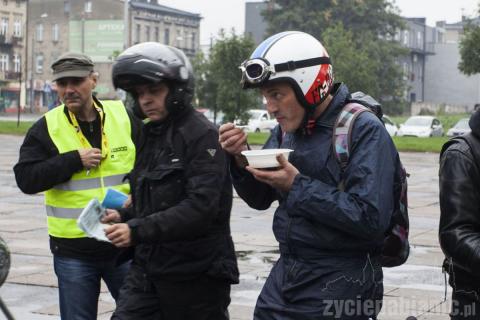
329	239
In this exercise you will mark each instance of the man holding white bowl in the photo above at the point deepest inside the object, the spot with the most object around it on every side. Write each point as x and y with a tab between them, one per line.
330	223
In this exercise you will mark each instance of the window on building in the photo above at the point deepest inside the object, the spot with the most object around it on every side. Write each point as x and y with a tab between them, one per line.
4	26
17	67
147	33
179	38
39	33
166	38
413	97
17	28
440	37
4	62
55	35
419	39
405	71
88	6
397	35
39	63
157	35
193	40
66	6
137	33
405	37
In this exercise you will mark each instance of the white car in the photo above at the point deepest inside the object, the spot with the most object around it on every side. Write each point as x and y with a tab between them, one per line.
421	126
390	126
460	128
259	121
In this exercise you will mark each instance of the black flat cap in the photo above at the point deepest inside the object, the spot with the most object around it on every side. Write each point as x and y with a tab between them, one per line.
71	64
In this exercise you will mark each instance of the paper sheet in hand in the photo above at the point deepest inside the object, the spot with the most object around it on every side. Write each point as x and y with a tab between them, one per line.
114	199
89	220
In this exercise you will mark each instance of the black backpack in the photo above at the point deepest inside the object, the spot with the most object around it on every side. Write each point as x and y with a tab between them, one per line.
396	247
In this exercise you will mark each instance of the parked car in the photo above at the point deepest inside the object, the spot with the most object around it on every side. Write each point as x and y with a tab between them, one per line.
259	121
421	126
460	128
390	126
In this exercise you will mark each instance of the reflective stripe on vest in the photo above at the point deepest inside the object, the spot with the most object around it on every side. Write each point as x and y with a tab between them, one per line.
93	183
65	201
65	213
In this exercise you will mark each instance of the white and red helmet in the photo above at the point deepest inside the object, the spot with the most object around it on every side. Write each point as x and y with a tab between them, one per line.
295	57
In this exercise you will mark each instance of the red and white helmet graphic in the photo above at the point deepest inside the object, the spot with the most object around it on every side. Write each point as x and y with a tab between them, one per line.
295	57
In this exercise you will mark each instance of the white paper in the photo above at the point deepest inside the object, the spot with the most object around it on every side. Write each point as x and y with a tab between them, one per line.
89	220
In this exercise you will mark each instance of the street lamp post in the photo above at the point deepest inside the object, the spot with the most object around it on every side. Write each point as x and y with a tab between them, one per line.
83	32
126	23
32	72
33	66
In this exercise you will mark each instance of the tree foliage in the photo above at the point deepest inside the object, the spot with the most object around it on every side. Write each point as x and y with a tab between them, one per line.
218	77
358	36
470	51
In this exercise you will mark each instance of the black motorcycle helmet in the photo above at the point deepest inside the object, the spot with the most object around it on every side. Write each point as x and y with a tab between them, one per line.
152	62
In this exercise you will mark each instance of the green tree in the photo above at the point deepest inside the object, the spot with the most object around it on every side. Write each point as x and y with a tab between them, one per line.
470	51
313	16
358	36
204	84
341	47
218	77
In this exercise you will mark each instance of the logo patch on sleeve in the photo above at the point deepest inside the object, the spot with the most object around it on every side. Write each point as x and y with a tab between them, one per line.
212	152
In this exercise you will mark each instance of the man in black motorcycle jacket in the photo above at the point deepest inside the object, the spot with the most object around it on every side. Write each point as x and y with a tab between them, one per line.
184	260
460	220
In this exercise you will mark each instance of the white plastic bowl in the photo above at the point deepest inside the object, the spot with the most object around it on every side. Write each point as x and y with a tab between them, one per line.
266	158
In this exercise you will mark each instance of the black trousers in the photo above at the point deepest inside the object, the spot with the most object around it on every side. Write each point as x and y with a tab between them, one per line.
465	305
203	298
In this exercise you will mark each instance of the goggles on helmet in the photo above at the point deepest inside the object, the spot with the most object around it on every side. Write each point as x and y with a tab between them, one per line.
257	71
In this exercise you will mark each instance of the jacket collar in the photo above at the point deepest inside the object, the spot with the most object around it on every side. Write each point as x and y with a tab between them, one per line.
340	95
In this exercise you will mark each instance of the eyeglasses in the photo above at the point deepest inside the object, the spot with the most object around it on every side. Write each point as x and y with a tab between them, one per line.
258	70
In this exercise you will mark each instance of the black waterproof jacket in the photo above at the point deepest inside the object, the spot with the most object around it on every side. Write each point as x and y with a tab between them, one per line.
460	210
182	198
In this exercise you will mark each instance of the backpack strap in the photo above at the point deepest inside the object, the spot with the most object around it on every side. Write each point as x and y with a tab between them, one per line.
342	131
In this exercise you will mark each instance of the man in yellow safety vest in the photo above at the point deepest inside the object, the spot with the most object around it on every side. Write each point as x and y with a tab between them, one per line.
75	153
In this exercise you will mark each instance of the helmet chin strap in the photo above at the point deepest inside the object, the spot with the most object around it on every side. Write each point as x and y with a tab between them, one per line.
308	122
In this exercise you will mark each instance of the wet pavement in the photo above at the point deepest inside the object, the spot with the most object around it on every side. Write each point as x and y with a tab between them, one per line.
416	288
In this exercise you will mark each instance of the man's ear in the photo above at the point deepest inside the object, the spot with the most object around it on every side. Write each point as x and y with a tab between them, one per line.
94	77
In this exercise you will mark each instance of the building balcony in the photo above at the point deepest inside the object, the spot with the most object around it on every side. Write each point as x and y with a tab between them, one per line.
10	41
4	39
9	76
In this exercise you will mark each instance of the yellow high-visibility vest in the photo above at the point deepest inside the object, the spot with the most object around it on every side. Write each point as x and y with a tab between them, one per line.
65	201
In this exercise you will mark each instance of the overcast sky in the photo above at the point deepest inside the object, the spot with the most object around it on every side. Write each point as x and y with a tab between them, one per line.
231	13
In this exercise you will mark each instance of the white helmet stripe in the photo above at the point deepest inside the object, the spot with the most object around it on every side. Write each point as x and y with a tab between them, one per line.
262	49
